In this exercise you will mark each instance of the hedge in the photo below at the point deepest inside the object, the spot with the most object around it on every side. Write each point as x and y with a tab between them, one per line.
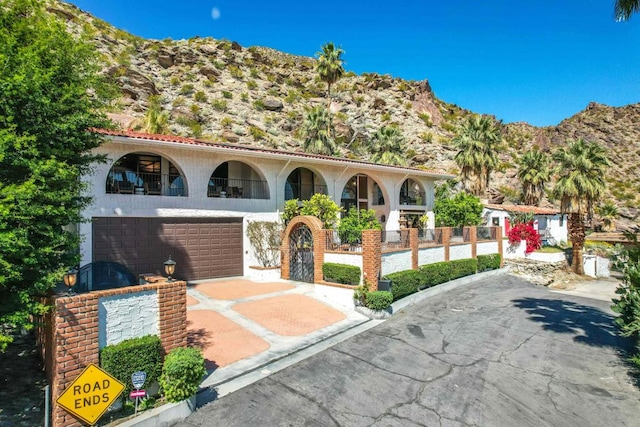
378	300
132	355
404	283
182	373
409	281
341	273
488	262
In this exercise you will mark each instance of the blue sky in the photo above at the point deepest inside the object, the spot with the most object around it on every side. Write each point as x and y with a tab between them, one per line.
539	61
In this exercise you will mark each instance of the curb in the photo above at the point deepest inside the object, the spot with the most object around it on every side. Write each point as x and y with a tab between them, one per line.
165	415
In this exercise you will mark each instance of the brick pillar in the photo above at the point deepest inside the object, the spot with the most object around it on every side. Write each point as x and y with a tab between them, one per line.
371	257
500	242
172	315
473	239
75	329
446	241
285	272
319	247
413	243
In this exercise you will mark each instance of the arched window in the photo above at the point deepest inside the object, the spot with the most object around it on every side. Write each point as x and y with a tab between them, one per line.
237	180
145	174
411	193
356	193
302	183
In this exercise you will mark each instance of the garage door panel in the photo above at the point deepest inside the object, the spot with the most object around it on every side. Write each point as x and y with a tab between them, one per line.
202	247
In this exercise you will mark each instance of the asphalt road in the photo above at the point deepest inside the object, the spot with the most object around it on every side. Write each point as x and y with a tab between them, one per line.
499	352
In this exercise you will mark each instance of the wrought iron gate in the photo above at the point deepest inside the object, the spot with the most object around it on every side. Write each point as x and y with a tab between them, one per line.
301	254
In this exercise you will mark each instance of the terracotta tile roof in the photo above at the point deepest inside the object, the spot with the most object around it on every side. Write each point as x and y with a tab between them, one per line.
249	149
523	209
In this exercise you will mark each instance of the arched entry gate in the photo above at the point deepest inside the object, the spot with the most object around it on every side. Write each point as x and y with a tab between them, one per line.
301	254
302	249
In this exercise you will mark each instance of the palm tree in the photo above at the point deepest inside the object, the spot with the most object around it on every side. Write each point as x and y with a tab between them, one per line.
581	168
155	118
330	69
388	146
316	128
478	141
623	9
533	173
608	214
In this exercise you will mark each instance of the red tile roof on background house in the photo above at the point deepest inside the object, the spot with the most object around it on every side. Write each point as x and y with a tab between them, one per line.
536	210
203	143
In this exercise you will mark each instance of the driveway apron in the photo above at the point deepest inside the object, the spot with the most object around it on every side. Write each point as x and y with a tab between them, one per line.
498	352
242	324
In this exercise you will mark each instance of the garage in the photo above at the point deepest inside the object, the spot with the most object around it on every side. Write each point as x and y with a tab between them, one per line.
203	248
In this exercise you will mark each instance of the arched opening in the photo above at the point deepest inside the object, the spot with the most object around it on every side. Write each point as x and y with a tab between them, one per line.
303	183
356	191
237	180
301	262
145	174
411	193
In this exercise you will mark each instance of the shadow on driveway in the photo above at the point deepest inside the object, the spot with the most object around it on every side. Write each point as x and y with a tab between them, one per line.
587	324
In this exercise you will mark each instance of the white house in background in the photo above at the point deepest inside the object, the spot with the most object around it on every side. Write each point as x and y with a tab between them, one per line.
550	223
163	195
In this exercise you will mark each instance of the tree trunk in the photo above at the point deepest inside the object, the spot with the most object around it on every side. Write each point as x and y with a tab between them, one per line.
576	235
329	109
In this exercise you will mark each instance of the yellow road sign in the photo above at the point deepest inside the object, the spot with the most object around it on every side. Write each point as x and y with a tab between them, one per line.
90	394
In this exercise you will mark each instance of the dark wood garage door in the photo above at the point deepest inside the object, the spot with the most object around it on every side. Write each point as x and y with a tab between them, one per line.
203	248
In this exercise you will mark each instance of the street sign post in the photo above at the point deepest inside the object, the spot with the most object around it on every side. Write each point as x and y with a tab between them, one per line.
90	394
138	379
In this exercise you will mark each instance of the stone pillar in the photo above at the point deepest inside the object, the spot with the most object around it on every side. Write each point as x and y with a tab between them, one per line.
413	243
446	241
473	239
371	257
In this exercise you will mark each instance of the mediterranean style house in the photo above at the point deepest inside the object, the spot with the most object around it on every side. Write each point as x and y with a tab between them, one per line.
550	223
159	196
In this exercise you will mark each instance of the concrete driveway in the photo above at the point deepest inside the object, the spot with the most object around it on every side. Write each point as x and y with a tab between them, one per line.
499	352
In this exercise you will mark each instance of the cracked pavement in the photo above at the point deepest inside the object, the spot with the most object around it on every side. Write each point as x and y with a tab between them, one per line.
499	352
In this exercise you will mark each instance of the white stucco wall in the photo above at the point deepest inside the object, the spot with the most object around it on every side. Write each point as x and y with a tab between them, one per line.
396	261
430	255
121	317
197	163
509	251
486	248
459	252
354	258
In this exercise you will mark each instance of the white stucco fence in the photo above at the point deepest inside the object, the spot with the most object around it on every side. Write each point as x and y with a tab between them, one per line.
486	248
459	252
395	261
121	317
430	255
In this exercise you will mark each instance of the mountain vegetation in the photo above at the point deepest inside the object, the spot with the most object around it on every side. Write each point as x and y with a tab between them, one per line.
218	90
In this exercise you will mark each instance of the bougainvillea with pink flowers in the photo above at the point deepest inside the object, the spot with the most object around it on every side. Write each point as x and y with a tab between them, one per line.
526	232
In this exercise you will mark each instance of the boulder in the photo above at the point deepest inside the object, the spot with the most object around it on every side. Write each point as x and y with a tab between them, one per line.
165	59
209	71
183	112
236	46
256	123
272	104
208	49
230	136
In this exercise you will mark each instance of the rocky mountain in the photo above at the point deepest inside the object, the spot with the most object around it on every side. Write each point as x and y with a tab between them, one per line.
219	90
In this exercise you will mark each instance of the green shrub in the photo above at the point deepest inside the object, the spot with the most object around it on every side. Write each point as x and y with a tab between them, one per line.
463	267
341	273
187	89
351	226
436	273
132	355
200	96
404	283
182	373
378	300
488	262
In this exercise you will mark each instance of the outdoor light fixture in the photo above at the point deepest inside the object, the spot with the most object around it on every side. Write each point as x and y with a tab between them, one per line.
70	278
169	268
